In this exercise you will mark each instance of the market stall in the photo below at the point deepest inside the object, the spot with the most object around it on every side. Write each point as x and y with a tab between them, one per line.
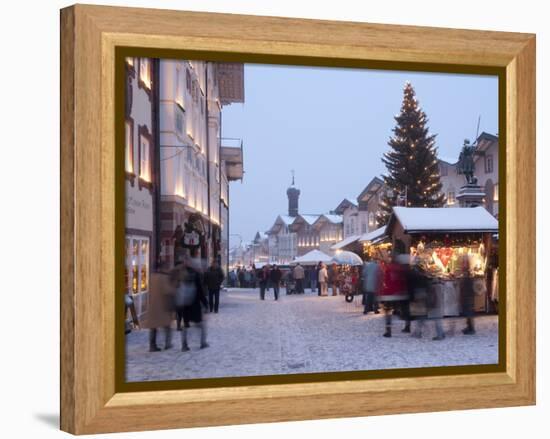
376	244
443	240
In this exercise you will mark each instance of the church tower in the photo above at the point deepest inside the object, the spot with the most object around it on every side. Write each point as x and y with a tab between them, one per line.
293	194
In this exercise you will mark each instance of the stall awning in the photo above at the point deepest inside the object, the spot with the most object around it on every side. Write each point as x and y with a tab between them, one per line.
373	236
345	242
443	219
312	258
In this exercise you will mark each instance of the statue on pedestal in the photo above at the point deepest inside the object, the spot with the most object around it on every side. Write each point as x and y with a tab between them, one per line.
466	165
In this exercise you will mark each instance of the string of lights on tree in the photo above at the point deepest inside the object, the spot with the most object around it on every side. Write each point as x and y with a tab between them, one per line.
412	177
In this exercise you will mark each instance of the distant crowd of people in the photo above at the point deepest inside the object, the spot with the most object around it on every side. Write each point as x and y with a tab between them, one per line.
397	286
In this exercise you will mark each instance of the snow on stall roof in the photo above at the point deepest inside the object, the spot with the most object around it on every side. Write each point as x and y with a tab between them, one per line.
344	242
442	219
311	258
371	236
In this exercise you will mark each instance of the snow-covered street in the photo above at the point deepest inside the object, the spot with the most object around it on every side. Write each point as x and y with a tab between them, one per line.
302	334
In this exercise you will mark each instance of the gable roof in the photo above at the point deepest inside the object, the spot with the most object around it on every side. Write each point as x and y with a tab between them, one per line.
370	189
344	204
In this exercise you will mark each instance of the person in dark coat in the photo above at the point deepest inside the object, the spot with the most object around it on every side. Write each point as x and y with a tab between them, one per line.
213	279
263	278
275	277
189	298
240	276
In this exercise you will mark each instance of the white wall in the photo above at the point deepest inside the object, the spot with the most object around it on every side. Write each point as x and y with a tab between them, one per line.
32	340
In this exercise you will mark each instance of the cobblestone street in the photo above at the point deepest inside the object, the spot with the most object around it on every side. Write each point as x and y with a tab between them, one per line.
301	334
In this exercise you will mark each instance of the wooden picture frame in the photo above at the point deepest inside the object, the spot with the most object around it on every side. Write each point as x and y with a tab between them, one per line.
90	36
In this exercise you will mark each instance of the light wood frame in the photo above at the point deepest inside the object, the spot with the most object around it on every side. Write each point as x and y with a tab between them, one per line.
89	35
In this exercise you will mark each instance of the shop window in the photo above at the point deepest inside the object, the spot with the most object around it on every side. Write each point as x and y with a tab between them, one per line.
137	264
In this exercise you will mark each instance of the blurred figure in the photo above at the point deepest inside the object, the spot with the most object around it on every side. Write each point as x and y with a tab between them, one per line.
213	278
275	277
394	291
299	275
424	302
467	296
232	279
189	296
313	277
240	276
263	278
161	306
372	278
323	279
333	279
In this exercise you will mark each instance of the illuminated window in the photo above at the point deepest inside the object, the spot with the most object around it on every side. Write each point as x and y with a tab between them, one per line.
145	72
129	146
144	158
371	219
130	61
495	193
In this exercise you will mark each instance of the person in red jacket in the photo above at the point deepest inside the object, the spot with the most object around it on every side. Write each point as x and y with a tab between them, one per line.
394	292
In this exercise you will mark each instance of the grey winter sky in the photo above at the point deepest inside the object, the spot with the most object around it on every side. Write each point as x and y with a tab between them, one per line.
331	125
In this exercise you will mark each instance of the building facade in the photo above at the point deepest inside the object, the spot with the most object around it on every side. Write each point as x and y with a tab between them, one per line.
141	159
194	165
486	172
296	234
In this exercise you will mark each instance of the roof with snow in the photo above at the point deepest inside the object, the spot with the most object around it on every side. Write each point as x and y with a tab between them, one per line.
310	219
373	235
312	258
443	219
345	242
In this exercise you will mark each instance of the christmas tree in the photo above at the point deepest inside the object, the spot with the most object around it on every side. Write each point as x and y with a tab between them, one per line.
412	179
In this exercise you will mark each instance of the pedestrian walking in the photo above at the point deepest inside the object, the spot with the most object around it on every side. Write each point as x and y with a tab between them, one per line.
161	307
240	276
189	299
371	283
299	275
334	281
213	278
275	277
323	279
263	279
467	296
313	276
394	291
424	302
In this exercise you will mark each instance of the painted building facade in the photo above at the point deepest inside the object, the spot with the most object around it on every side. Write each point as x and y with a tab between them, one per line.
141	155
486	172
195	172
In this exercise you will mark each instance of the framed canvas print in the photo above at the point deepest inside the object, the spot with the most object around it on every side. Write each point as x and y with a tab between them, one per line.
270	219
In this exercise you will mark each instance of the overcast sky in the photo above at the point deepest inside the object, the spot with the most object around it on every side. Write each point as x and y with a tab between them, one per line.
331	125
